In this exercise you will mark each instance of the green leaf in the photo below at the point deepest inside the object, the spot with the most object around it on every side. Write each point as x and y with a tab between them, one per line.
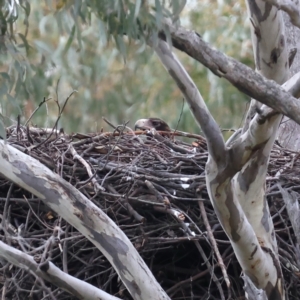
137	8
102	32
142	47
43	47
5	76
177	7
121	46
77	7
159	13
77	25
2	128
25	42
3	89
70	40
13	101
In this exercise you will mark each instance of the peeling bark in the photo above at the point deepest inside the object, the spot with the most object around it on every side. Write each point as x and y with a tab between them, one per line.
290	7
215	141
235	175
272	61
86	217
230	179
241	76
235	171
289	131
49	272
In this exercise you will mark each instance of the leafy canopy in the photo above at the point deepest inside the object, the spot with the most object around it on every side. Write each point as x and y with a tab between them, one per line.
99	49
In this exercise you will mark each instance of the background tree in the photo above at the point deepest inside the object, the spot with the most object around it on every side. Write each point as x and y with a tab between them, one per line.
62	43
235	171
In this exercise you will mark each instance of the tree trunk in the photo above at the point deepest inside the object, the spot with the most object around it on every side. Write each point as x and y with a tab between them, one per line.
289	131
235	175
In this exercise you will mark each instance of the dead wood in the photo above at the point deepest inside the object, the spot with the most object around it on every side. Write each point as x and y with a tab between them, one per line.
150	186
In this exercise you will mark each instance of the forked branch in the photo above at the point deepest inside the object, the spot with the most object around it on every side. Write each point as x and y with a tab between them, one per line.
290	7
215	141
241	76
85	216
49	272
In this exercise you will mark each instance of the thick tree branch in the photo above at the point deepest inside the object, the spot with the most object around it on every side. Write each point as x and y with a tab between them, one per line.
212	132
86	217
241	76
261	129
290	7
49	272
256	263
269	47
251	152
219	174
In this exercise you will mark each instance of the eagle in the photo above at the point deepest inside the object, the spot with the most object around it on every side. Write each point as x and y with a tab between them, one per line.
160	125
147	124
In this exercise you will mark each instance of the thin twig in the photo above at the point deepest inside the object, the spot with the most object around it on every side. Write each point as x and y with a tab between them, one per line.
33	113
214	245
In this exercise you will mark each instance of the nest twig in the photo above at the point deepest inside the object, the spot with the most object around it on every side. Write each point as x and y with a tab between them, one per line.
150	186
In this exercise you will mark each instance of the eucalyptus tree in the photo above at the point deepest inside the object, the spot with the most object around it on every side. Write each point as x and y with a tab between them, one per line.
56	44
235	170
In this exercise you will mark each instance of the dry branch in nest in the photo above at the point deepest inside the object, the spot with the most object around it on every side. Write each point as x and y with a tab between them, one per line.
153	187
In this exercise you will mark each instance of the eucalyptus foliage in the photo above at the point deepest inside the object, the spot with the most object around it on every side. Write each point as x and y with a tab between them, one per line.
48	49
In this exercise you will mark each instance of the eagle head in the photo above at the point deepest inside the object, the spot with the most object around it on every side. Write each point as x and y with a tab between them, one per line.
156	123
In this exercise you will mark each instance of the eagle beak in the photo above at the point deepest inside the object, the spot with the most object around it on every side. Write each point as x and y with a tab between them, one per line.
140	124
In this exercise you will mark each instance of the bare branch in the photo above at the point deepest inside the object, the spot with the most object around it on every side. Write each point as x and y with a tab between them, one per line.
256	263
214	244
49	272
241	76
97	186
261	128
44	101
86	217
242	196
212	132
290	7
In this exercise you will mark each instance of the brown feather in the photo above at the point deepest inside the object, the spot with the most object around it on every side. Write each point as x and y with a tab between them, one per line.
156	123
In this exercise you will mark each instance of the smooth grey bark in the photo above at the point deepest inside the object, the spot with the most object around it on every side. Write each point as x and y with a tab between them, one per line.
235	175
212	132
242	77
271	61
254	245
289	131
85	216
49	272
225	161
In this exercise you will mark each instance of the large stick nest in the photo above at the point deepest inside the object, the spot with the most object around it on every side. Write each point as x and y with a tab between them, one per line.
151	186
